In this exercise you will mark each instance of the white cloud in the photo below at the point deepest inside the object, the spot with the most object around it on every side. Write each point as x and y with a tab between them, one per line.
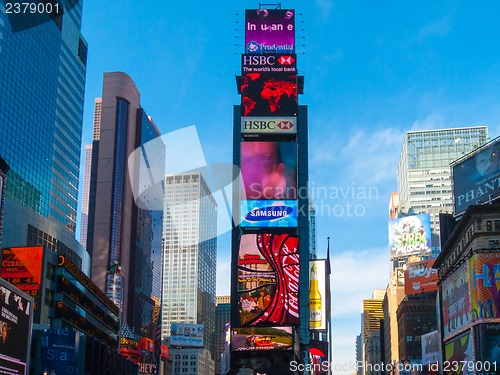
438	28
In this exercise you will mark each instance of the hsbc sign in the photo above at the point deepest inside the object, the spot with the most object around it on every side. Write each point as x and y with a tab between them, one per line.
269	63
277	125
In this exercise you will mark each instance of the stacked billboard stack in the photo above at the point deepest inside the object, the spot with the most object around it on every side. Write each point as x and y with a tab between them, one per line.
266	261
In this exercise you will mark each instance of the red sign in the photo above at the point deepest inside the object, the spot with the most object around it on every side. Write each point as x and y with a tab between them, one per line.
420	277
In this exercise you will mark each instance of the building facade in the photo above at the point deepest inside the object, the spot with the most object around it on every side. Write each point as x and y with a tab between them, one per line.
84	222
192	361
123	239
424	173
372	315
222	320
189	266
43	69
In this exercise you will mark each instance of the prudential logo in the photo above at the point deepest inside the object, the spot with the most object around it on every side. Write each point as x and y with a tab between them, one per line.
170	173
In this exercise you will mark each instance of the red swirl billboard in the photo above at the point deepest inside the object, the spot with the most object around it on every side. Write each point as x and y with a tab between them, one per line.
268	279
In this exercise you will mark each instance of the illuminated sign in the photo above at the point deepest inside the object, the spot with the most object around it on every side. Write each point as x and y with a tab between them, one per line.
268	125
59	351
420	277
485	284
269	63
410	235
16	319
477	179
183	334
270	31
268	279
269	214
317	295
262	338
269	94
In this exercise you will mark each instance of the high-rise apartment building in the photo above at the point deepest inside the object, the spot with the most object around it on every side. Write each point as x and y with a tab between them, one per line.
424	174
189	254
124	240
42	85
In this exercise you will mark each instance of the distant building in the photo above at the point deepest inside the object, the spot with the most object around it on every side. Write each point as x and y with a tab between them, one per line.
192	361
189	266
372	315
222	319
87	167
124	240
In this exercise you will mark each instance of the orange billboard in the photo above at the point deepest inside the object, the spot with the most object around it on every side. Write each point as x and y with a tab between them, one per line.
420	277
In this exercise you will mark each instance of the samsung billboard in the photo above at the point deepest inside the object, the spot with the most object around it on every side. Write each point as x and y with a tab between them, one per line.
270	31
410	235
476	179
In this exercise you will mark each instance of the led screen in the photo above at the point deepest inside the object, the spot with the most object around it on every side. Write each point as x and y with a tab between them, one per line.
410	235
477	179
269	94
269	170
270	31
268	214
317	295
268	279
262	338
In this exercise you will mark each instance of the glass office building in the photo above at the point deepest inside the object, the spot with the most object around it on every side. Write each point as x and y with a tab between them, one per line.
189	265
42	82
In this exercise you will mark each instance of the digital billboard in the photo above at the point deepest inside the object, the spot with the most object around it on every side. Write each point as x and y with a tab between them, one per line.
410	235
420	277
2	197
317	295
485	284
183	334
268	279
269	63
22	267
59	351
262	338
16	319
269	170
455	297
268	214
269	94
268	125
477	178
431	348
458	352
489	348
270	31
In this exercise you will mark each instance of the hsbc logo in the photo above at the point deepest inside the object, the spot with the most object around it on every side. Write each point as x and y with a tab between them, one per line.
255	125
286	60
285	125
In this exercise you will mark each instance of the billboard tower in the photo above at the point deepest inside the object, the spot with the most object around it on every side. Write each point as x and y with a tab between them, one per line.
269	317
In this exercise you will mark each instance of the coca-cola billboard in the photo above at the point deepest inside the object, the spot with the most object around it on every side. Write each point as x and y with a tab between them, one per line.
268	279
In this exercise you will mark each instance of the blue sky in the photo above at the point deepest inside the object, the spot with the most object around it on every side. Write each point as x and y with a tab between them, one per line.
373	70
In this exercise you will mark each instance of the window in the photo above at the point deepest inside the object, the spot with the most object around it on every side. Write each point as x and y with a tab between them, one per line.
489	226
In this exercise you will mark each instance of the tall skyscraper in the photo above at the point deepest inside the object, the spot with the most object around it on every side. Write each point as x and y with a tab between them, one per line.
123	239
424	174
42	83
372	315
189	254
87	167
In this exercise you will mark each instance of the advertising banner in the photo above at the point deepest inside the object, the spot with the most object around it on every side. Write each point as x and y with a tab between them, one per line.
268	279
431	348
477	179
485	285
268	125
420	277
269	94
262	338
16	319
269	63
269	214
317	295
489	348
457	355
22	267
2	199
183	334
59	351
269	170
456	305
270	31
410	235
